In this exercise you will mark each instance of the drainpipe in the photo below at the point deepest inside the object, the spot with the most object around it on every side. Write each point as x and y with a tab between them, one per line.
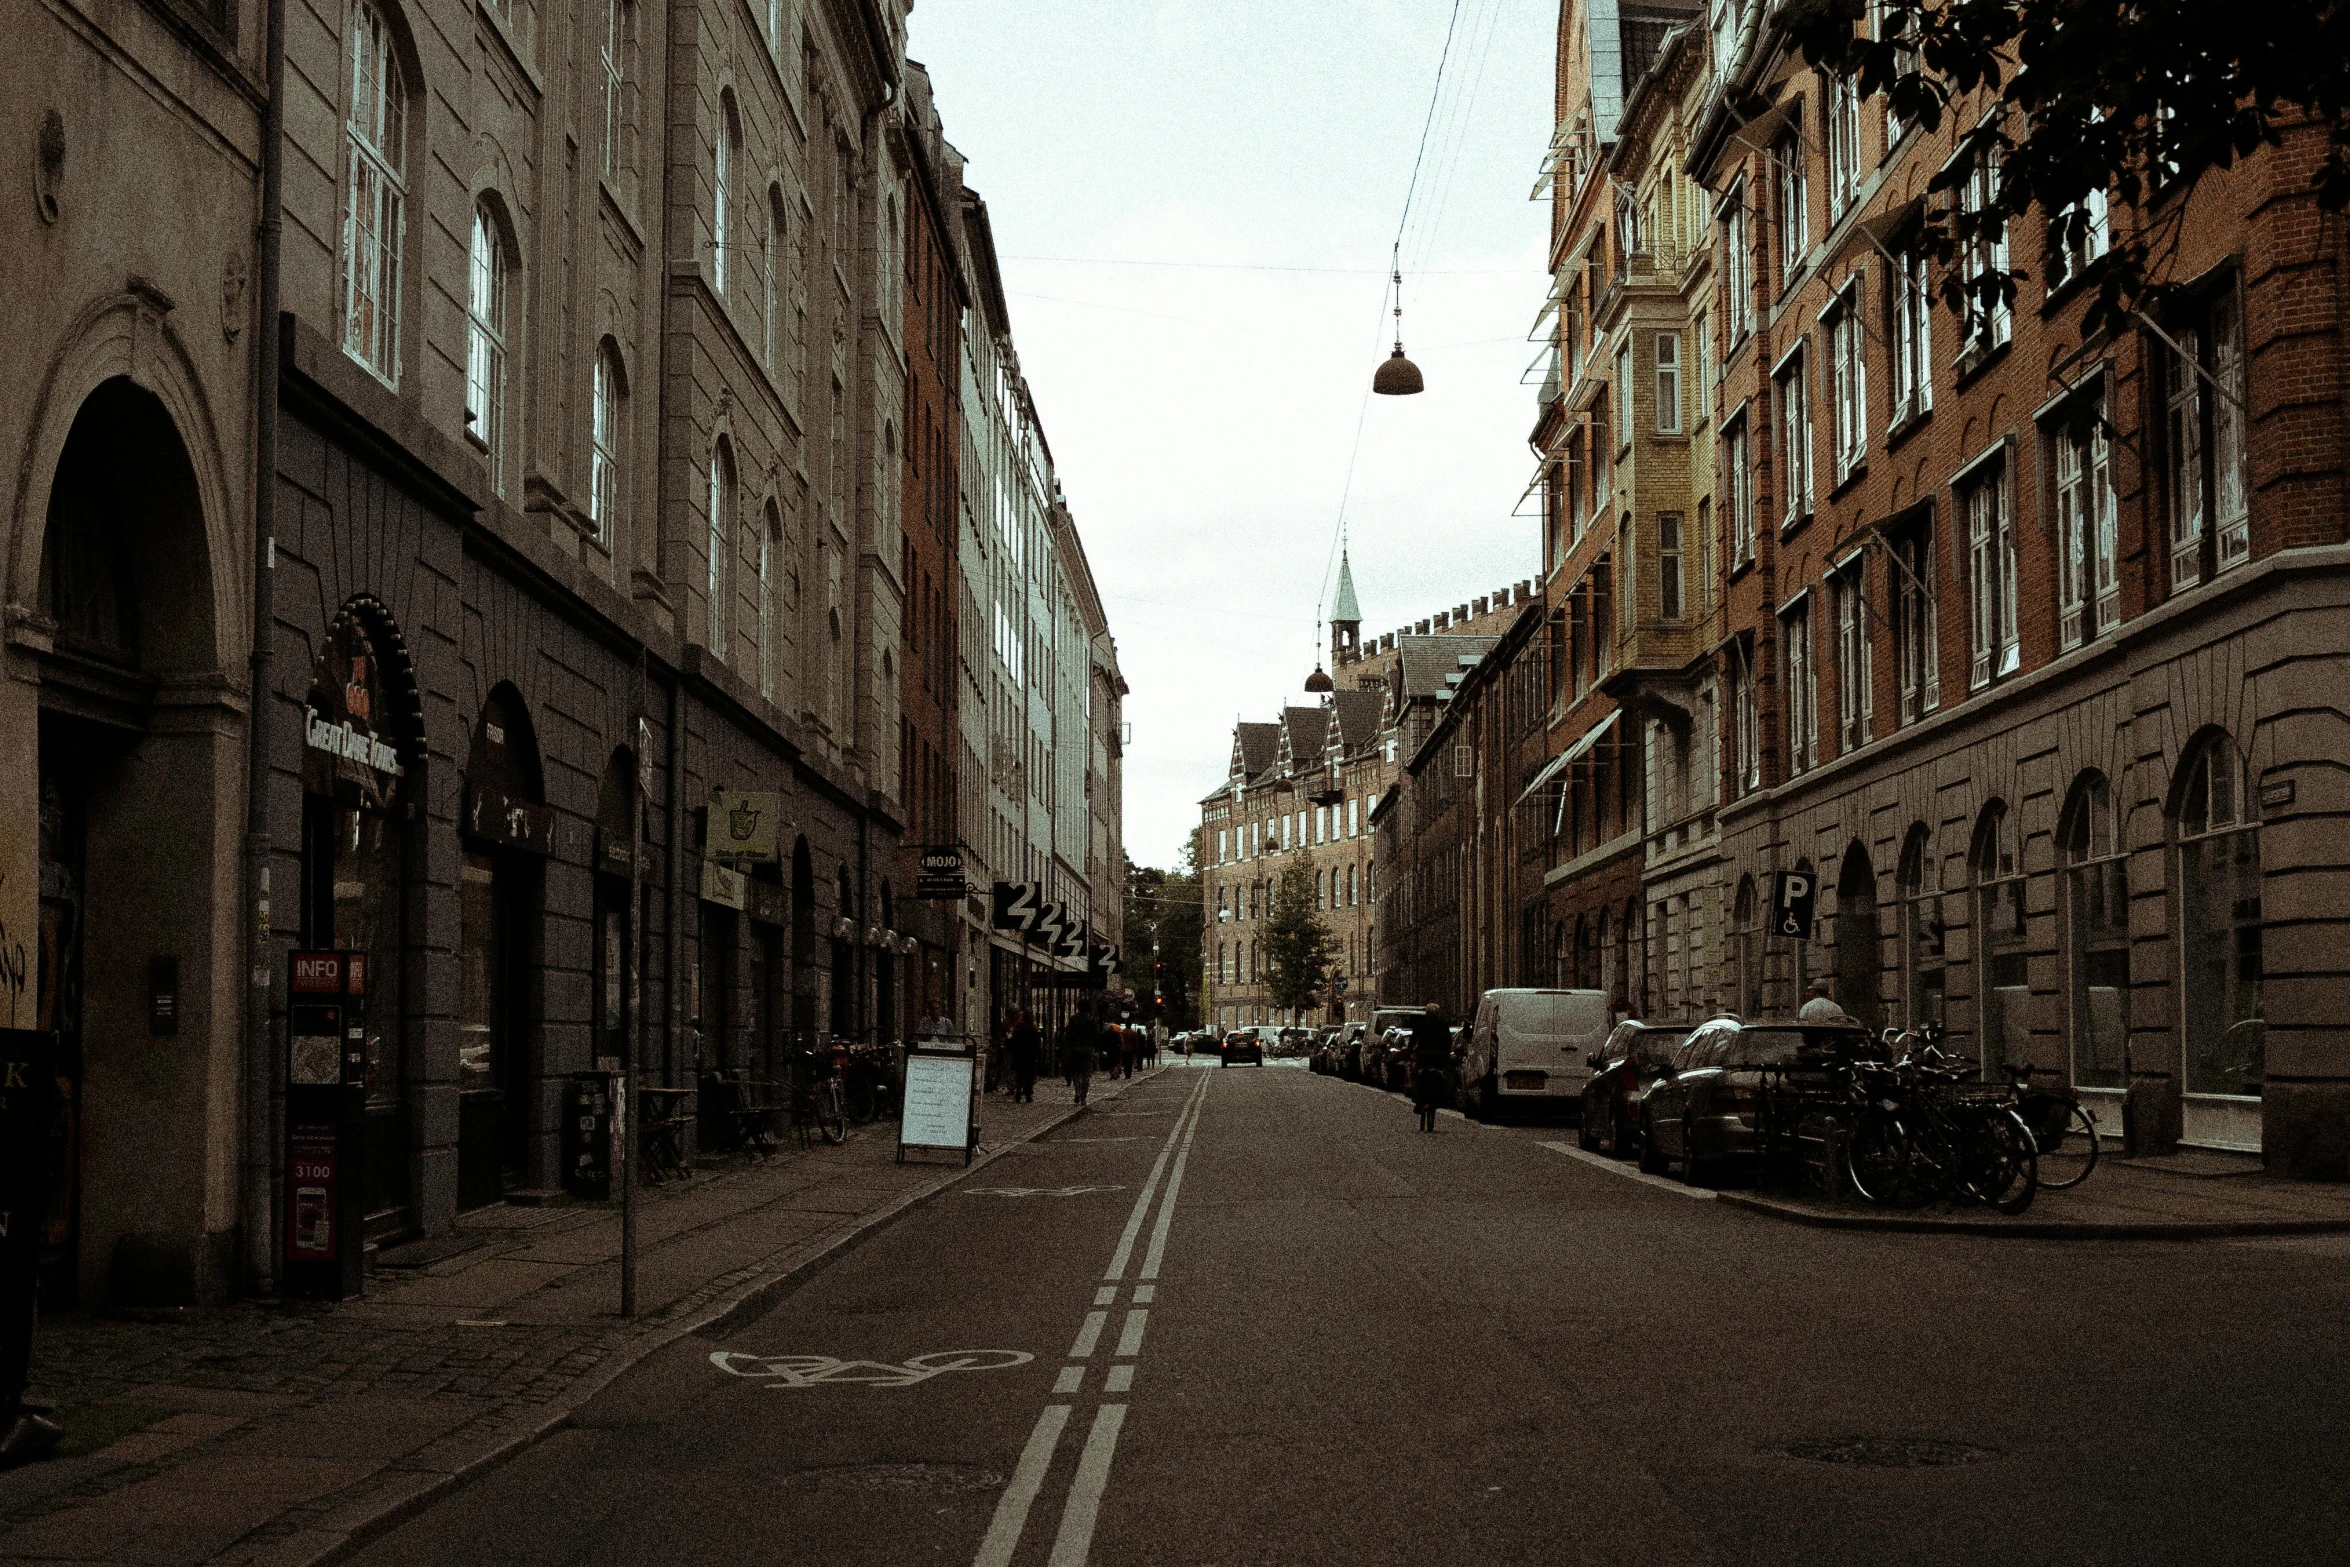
260	1059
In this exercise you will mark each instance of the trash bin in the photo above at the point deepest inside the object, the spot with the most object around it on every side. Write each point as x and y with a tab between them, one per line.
587	1135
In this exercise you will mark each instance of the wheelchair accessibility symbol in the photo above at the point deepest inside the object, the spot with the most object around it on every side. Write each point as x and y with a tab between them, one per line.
823	1370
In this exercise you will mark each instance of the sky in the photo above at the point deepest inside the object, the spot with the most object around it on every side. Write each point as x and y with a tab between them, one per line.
1194	202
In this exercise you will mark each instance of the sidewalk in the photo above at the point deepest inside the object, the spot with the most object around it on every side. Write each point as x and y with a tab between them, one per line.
283	1433
2183	1196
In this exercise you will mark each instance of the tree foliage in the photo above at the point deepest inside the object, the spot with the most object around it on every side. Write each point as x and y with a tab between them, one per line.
1298	945
1162	938
2128	98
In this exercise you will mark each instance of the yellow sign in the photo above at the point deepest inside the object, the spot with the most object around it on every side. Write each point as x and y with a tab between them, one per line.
744	825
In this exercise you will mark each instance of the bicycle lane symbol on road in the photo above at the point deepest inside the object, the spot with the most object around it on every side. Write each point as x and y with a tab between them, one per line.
780	1371
1036	1191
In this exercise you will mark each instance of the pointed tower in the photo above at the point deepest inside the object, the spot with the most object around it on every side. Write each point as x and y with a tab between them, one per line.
1346	616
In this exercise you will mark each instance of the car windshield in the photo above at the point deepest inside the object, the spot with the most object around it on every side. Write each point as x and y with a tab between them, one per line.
1655	1045
1791	1045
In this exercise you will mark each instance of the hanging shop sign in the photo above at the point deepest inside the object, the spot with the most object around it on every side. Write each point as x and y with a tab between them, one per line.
939	875
348	745
766	902
724	886
743	825
1016	904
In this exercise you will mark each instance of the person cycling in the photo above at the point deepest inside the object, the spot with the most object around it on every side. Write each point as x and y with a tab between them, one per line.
1431	1061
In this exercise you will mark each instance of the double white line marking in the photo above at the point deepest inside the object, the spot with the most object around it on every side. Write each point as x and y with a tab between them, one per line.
1074	1541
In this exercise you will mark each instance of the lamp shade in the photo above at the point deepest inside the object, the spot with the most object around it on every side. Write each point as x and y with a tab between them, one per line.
1319	682
1398	377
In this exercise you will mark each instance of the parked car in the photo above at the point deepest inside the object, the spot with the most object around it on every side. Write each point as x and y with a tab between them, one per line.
1245	1046
1530	1048
1703	1115
1289	1042
1395	1061
1634	1056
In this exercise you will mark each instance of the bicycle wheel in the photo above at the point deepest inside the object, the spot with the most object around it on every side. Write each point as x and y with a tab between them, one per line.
831	1117
1998	1164
2067	1159
1879	1165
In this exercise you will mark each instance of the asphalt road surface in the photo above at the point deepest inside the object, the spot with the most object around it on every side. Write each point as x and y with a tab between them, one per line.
1246	1317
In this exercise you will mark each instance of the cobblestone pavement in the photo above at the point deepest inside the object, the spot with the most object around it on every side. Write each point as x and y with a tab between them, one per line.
270	1431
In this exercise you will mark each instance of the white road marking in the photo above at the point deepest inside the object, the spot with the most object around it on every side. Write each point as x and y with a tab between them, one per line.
1158	1250
1011	1509
1074	1543
1070	1379
1144	1294
1142	1204
811	1370
1130	1336
1107	1295
1121	1380
1613	1167
1037	1191
1089	1335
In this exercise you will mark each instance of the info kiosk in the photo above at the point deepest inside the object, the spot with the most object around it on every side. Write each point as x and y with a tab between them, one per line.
326	1120
941	1107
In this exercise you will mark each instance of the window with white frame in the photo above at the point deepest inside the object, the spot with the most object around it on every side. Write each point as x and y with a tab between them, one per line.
1885	22
1917	629
604	442
1737	264
1989	317
1623	386
720	502
770	547
1843	143
2077	236
722	193
1671	586
1745	715
375	201
1912	348
1848	392
619	21
1701	390
1993	646
1668	383
1738	488
1794	439
1802	691
1855	671
485	339
1603	456
2088	578
2207	486
1794	207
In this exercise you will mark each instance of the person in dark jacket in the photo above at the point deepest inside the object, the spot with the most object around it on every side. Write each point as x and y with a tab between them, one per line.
1026	1049
1431	1061
1081	1043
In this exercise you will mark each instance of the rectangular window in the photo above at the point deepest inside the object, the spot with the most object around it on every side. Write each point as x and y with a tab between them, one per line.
1843	144
1603	457
1794	441
1353	818
1855	694
2071	246
1849	396
1916	624
1794	208
1737	264
1885	24
1913	339
2088	585
1991	624
1705	553
2231	490
1802	694
374	214
1745	719
1669	585
1701	385
1738	483
1668	383
615	40
2204	443
1989	319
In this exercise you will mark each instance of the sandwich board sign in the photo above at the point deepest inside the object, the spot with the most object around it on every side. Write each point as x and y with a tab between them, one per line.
938	1110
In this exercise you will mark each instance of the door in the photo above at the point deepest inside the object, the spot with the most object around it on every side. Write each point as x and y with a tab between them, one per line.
492	1078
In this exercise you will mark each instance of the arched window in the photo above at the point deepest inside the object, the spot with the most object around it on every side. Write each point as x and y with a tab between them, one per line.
2002	974
2220	933
485	340
722	192
1859	952
721	503
374	215
2096	935
604	443
1919	881
1746	946
1321	889
770	550
772	280
619	26
1353	888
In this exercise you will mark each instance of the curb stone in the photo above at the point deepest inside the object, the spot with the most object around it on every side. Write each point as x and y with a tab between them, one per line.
400	1491
2030	1229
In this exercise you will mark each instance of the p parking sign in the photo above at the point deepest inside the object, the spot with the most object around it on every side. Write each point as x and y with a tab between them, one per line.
1791	903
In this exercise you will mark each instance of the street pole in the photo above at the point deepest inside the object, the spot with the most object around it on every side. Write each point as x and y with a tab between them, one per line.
632	1042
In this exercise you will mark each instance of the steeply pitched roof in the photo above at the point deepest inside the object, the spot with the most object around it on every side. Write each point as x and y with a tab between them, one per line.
1260	745
1306	727
1357	713
1344	608
1427	661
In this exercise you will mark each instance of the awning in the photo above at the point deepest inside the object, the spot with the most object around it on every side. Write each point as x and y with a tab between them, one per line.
1567	758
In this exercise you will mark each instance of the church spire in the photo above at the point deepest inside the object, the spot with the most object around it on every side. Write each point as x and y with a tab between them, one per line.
1346	616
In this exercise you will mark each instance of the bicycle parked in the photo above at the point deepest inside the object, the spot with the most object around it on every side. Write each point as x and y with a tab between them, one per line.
817	1104
870	1083
1926	1129
2064	1131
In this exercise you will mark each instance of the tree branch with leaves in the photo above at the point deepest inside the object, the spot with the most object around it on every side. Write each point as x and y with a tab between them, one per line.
1298	945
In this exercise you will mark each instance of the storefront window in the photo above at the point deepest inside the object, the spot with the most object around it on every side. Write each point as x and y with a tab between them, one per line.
2220	934
2097	936
2001	970
1922	961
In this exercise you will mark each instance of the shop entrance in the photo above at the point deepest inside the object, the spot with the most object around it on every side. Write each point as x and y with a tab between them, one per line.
508	832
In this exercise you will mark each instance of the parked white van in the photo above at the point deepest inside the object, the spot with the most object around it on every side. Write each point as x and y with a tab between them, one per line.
1531	1047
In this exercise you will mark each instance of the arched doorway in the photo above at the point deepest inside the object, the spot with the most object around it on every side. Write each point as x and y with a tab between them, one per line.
2096	931
361	728
1918	880
2002	968
507	833
1859	956
118	842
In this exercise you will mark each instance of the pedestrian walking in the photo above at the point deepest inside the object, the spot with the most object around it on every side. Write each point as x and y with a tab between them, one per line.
1431	1059
1025	1048
1080	1047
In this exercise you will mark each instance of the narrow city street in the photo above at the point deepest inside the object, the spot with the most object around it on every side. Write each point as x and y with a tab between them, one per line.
1253	1317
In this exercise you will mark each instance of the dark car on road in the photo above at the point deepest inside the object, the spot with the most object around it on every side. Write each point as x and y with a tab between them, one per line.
1703	1116
1242	1046
1635	1056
